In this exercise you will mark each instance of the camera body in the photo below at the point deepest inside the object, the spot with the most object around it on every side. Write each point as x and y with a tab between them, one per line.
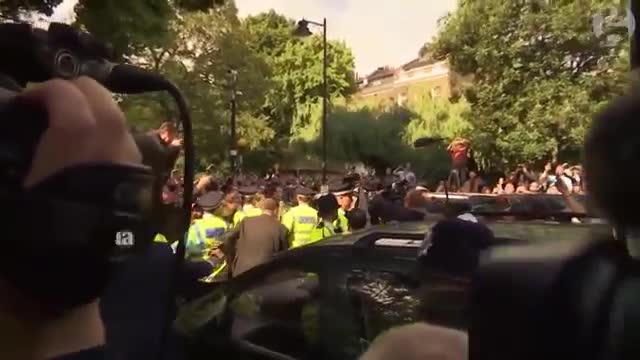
84	218
562	299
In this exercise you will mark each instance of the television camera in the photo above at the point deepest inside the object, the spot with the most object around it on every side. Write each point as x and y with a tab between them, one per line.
111	215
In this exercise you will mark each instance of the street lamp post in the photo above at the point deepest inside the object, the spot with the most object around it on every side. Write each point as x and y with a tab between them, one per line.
233	151
302	30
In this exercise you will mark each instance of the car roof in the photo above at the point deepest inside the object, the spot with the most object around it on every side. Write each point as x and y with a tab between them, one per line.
410	228
409	236
519	230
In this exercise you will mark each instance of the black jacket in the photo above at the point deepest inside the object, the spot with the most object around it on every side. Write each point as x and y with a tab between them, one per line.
155	153
161	158
255	241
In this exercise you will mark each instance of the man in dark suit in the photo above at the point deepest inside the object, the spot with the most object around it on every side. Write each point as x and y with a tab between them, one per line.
160	149
256	239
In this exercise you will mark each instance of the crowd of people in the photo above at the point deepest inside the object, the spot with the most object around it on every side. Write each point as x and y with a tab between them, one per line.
556	178
521	181
239	223
242	221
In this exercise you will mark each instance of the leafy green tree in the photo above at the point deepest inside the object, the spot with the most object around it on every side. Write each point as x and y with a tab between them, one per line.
198	5
269	33
437	118
359	135
539	72
296	66
206	46
372	136
128	26
13	9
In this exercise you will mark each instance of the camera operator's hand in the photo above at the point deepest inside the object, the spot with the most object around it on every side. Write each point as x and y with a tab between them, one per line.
85	126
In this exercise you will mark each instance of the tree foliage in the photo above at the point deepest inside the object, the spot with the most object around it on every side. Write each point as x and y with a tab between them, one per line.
383	137
528	74
438	118
12	9
205	47
297	70
129	25
126	25
539	72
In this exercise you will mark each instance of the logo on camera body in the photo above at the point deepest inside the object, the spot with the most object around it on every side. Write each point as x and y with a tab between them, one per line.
125	239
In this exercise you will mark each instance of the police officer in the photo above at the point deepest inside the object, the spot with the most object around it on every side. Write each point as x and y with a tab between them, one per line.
300	220
251	198
344	195
159	238
205	235
328	213
232	205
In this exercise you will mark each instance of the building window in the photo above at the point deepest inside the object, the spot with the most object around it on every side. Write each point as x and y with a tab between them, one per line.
376	83
436	92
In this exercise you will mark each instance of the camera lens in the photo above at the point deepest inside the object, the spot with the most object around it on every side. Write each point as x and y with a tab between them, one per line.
66	65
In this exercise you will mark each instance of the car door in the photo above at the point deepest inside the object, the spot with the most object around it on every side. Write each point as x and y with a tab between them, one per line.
395	292
275	312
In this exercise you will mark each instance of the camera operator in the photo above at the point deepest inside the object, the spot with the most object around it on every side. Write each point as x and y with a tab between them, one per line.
67	325
160	148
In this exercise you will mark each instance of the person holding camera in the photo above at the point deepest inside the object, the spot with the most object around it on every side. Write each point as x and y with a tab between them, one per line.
160	148
62	326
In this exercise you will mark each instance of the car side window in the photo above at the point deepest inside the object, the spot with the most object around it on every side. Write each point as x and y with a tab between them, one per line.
279	313
383	299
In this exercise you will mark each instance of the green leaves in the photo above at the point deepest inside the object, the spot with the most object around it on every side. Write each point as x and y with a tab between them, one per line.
539	72
126	25
437	118
13	9
296	71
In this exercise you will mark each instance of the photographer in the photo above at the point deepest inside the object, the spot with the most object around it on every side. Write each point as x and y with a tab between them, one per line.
160	148
66	326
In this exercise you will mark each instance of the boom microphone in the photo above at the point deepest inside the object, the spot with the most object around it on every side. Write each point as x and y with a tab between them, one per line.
36	55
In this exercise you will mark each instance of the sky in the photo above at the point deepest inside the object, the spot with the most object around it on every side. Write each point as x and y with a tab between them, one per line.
380	32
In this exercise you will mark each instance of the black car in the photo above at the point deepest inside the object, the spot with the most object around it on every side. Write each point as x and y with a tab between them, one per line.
527	206
331	299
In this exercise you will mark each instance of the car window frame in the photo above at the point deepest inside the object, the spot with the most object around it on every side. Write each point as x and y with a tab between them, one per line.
374	258
309	260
